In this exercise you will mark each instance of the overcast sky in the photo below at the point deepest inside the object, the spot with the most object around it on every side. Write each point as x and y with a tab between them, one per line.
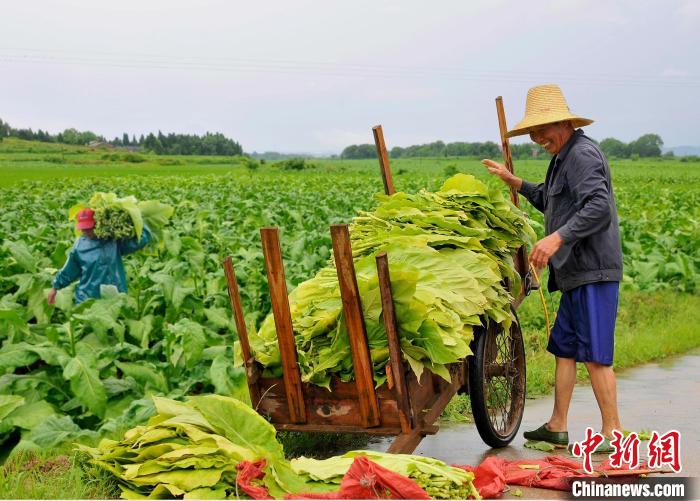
315	76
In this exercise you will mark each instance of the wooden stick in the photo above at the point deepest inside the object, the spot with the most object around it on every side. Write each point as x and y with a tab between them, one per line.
355	322
248	361
505	147
521	261
283	323
396	363
383	156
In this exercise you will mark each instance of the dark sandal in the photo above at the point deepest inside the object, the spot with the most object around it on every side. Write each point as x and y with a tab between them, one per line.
542	434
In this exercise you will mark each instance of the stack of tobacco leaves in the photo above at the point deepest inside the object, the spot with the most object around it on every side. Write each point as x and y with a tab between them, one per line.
192	450
436	478
449	254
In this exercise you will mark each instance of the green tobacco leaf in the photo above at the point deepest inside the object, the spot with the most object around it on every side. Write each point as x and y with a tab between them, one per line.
206	493
103	315
186	341
218	317
73	211
240	424
540	446
156	215
141	329
22	254
86	385
52	355
227	380
29	416
55	430
17	355
8	403
144	374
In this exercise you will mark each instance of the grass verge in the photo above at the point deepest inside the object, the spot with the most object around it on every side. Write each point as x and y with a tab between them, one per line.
650	326
57	473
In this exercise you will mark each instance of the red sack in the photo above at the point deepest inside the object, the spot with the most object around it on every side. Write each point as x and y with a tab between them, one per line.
247	472
489	476
368	480
551	472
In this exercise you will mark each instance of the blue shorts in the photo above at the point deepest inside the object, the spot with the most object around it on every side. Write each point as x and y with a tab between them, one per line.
585	324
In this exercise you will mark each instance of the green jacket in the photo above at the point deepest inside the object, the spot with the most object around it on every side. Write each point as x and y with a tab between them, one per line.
98	262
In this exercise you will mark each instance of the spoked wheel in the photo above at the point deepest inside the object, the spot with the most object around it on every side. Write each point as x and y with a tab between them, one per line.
497	383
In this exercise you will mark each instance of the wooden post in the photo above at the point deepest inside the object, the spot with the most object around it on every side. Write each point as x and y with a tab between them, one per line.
383	160
355	322
396	363
248	361
283	323
521	261
505	147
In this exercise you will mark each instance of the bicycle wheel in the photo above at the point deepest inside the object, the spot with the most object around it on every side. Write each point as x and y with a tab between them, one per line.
497	383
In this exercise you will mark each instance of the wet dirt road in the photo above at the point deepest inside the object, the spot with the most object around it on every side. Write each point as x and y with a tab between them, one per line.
659	396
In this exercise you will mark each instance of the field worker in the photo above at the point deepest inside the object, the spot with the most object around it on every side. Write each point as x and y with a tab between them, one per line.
95	261
582	249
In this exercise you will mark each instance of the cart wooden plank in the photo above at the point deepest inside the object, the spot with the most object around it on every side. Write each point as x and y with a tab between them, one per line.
355	322
383	156
249	362
391	326
283	323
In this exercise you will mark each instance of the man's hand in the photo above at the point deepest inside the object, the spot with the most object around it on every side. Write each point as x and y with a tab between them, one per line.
544	249
502	171
52	296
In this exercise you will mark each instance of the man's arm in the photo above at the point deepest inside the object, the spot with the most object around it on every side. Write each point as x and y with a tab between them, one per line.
589	185
533	192
67	275
132	245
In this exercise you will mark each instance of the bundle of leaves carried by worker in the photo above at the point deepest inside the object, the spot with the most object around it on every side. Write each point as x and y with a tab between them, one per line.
122	218
450	254
194	449
436	478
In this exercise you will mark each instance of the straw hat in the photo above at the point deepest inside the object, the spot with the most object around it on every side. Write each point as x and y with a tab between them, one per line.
545	105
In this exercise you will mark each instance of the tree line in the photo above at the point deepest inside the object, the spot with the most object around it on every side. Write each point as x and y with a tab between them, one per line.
648	145
160	144
440	149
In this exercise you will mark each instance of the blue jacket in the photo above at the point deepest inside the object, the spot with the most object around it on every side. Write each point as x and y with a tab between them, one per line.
578	202
98	262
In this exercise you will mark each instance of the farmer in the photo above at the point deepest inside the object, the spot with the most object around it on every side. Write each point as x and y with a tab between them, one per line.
95	261
582	249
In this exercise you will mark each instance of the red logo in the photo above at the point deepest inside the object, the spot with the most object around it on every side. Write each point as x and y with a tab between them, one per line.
586	448
626	450
665	450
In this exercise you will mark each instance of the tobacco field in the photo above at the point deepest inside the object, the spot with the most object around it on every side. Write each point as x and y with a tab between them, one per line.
70	372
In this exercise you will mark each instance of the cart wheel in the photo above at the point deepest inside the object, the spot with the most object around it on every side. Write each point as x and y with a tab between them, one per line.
497	383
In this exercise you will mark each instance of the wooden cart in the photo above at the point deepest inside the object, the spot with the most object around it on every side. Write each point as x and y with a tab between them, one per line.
405	406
